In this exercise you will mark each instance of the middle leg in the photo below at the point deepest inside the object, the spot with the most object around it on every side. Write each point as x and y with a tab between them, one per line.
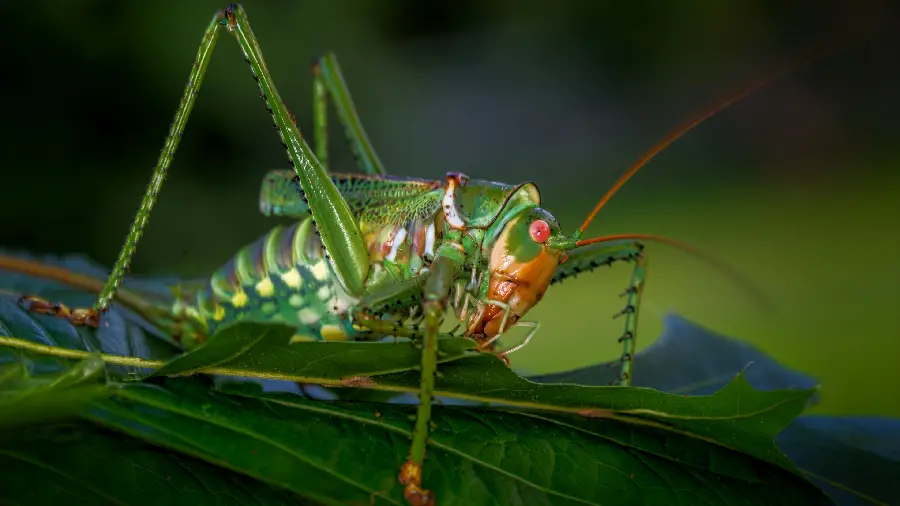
446	267
329	81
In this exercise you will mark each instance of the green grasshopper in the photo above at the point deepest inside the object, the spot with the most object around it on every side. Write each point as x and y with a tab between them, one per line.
372	256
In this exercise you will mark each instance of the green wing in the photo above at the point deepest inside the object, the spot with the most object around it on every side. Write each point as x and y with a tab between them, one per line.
375	200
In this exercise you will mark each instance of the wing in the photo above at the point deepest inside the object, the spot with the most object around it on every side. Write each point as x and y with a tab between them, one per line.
376	200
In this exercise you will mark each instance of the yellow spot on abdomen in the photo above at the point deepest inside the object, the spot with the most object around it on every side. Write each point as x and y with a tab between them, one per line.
239	299
301	338
265	288
320	270
292	278
309	316
333	333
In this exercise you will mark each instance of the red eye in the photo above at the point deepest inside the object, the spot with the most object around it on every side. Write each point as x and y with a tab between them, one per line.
539	231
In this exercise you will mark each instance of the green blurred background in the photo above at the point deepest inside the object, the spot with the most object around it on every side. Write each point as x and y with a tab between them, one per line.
797	186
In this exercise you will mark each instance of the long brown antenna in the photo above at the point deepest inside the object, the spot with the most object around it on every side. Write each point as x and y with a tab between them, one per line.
812	53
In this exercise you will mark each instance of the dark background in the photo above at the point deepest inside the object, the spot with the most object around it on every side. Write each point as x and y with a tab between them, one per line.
796	185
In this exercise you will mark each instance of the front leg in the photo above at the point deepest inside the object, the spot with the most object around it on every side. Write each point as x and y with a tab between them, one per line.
91	316
335	224
630	312
591	257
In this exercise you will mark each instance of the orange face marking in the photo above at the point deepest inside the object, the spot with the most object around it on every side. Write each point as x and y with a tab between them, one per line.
520	285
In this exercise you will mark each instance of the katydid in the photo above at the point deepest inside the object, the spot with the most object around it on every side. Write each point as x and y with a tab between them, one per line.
372	256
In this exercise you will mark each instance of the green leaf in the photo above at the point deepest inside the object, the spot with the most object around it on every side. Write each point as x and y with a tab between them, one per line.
745	418
12	373
688	358
83	464
27	399
265	351
349	451
532	443
759	416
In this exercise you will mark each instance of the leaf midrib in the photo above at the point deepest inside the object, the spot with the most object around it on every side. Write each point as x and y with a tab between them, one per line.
243	349
450	393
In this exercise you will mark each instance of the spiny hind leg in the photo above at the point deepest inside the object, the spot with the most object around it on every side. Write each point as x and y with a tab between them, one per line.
91	316
329	81
334	222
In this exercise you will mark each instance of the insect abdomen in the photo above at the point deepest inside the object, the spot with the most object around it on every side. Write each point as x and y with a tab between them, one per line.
280	277
283	277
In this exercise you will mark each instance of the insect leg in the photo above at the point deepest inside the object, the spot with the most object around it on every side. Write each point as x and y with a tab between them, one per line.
91	316
534	326
506	310
334	222
329	81
445	268
630	312
587	258
320	116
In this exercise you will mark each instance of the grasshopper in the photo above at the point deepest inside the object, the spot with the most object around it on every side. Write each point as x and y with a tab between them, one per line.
371	256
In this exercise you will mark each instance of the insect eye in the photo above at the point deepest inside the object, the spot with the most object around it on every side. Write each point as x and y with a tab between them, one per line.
539	231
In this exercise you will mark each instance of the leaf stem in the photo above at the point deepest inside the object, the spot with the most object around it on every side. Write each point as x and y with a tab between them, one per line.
56	351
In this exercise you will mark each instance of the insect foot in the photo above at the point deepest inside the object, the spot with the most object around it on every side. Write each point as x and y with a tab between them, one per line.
77	316
411	478
487	346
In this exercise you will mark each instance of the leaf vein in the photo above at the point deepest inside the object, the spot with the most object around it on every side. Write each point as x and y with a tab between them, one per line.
42	465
